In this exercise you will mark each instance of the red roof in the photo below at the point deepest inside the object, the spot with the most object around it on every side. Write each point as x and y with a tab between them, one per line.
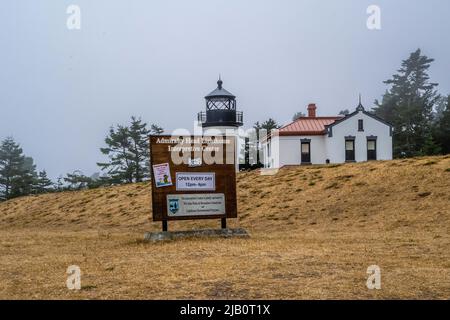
307	126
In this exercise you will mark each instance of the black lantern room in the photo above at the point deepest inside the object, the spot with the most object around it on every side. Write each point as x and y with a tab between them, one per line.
220	109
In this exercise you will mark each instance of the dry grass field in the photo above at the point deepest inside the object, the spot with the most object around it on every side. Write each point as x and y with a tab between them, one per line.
314	231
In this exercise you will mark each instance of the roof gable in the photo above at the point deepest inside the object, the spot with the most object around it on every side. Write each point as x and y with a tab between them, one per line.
329	127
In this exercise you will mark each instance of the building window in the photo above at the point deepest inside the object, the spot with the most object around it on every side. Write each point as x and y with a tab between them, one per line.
350	149
360	125
371	148
306	152
305	149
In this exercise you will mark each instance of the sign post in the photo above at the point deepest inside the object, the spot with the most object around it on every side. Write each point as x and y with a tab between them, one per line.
193	177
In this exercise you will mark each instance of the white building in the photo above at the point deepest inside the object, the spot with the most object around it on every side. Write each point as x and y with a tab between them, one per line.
359	136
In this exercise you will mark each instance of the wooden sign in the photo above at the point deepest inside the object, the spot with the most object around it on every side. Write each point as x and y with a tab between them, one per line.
193	177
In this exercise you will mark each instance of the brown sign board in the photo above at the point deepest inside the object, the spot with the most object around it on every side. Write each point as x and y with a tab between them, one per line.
193	177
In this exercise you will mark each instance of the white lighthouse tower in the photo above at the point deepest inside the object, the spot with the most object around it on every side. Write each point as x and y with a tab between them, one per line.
221	115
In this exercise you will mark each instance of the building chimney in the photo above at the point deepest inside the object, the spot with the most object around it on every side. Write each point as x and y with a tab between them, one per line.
312	110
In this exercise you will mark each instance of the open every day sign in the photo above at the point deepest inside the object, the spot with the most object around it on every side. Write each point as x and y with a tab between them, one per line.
198	181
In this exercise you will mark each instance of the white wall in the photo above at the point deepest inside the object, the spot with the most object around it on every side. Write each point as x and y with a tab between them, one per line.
290	150
335	145
272	160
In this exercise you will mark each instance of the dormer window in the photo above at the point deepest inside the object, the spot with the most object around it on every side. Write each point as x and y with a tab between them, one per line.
360	125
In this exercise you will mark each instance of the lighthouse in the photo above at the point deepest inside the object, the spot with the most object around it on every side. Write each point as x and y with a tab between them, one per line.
221	115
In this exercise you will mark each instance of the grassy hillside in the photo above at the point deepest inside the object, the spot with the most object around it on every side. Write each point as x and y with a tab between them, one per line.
315	230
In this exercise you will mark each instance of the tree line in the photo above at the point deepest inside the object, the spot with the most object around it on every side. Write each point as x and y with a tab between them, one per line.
419	114
128	158
18	175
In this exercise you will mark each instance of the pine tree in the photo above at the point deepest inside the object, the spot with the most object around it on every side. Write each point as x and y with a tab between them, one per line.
440	108
43	183
140	148
155	129
442	129
128	152
17	172
119	167
77	180
11	160
27	181
268	125
298	115
59	186
408	106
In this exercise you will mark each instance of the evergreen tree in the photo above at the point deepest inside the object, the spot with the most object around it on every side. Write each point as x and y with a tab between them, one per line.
28	180
77	180
269	125
128	152
157	130
408	106
11	160
298	115
97	180
59	184
442	129
43	183
139	148
344	112
441	106
119	167
17	172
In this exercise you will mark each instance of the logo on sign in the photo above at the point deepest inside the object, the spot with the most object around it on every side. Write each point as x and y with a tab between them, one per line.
203	204
174	205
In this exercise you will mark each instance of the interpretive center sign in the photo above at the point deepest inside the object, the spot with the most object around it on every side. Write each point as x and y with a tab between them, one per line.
193	177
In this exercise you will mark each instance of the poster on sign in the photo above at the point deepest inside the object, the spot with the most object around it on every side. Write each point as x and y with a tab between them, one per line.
161	172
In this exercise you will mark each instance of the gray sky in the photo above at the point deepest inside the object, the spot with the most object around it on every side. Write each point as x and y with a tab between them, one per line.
61	89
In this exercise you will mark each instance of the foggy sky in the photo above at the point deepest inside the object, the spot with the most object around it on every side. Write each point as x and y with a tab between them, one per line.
61	89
